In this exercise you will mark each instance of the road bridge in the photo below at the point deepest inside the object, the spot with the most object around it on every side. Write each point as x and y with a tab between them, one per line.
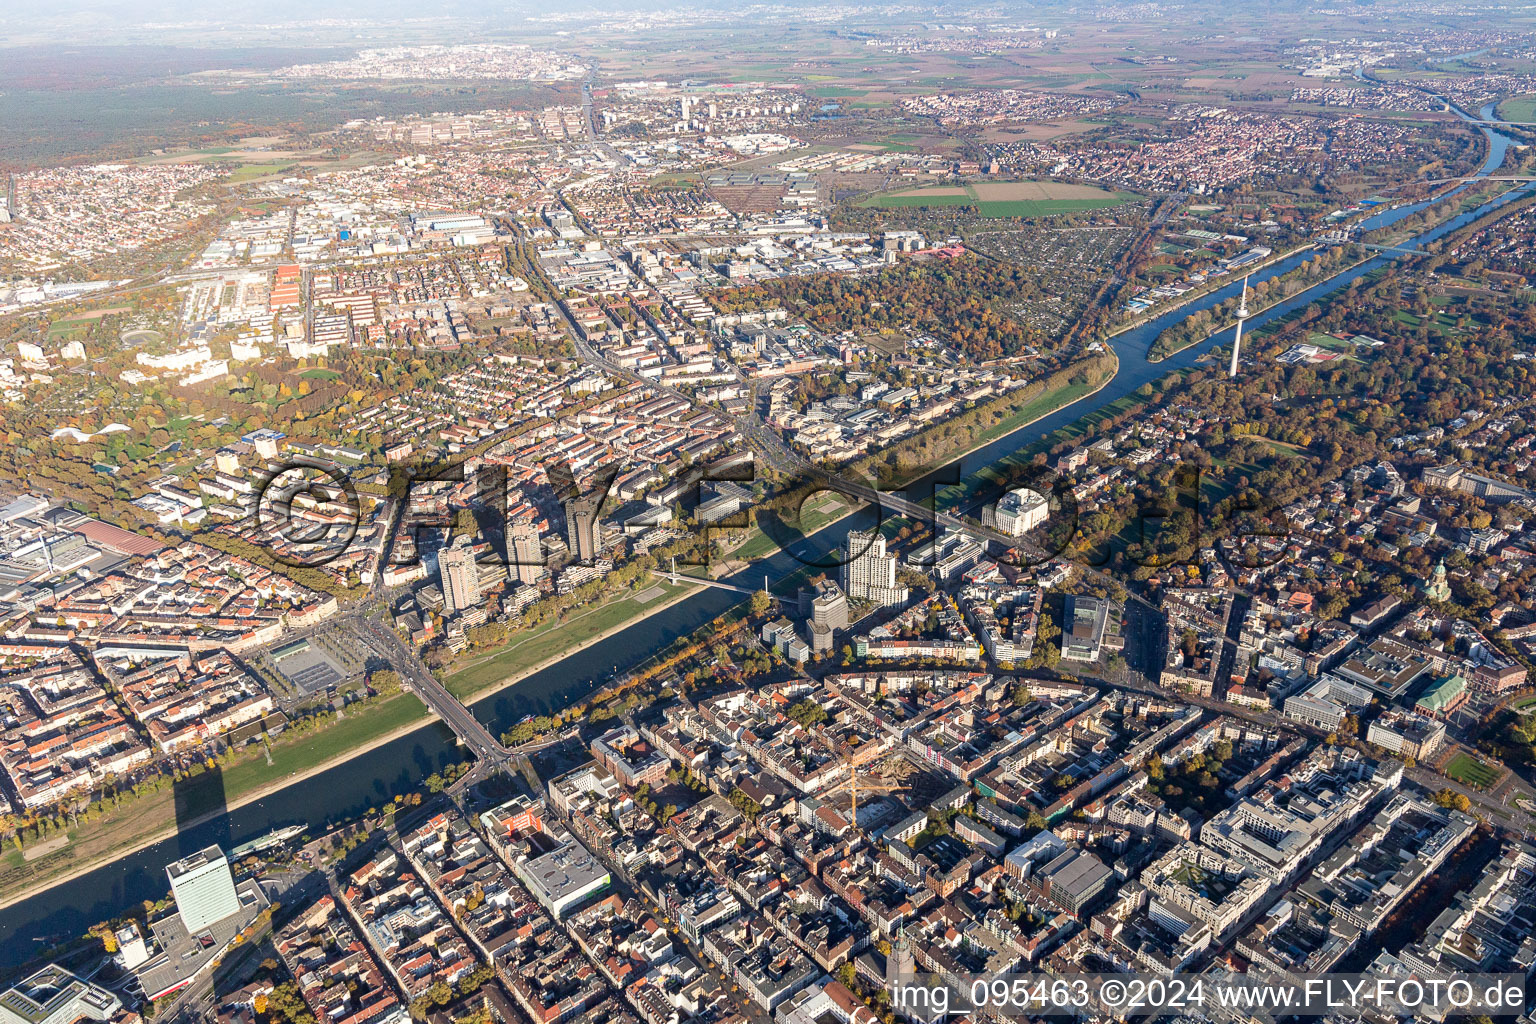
488	750
915	510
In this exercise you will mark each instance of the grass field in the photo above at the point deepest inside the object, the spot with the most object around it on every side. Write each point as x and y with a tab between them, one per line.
1520	108
1004	198
319	373
1044	405
1329	343
249	172
1469	771
815	514
303	751
1017	191
534	646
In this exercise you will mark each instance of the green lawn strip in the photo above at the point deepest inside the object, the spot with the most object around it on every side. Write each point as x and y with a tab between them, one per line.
813	518
137	819
759	545
1044	405
305	750
531	647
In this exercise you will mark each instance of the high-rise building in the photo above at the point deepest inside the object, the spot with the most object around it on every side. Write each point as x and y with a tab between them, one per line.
204	889
527	556
460	578
829	607
581	528
869	574
829	612
1082	635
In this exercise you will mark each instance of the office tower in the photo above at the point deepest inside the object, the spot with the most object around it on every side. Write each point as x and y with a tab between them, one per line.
829	612
460	579
527	556
828	606
869	574
581	528
204	889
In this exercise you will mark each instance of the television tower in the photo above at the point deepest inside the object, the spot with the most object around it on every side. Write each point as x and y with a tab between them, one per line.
1237	338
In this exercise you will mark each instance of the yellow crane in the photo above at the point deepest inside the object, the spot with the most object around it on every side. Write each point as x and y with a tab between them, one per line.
870	786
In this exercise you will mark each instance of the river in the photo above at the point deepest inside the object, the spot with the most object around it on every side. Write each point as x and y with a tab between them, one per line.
375	777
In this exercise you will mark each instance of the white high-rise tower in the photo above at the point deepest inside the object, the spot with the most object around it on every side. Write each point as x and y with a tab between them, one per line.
1237	338
204	889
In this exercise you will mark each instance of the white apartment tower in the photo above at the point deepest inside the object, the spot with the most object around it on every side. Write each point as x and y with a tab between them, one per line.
1021	510
526	554
869	574
460	579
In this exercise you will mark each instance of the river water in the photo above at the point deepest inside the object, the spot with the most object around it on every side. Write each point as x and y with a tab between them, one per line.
375	777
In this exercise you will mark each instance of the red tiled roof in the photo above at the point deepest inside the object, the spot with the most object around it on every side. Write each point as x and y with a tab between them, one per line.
117	539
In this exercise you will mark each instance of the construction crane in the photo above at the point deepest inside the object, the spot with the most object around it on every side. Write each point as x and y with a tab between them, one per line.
869	785
873	787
